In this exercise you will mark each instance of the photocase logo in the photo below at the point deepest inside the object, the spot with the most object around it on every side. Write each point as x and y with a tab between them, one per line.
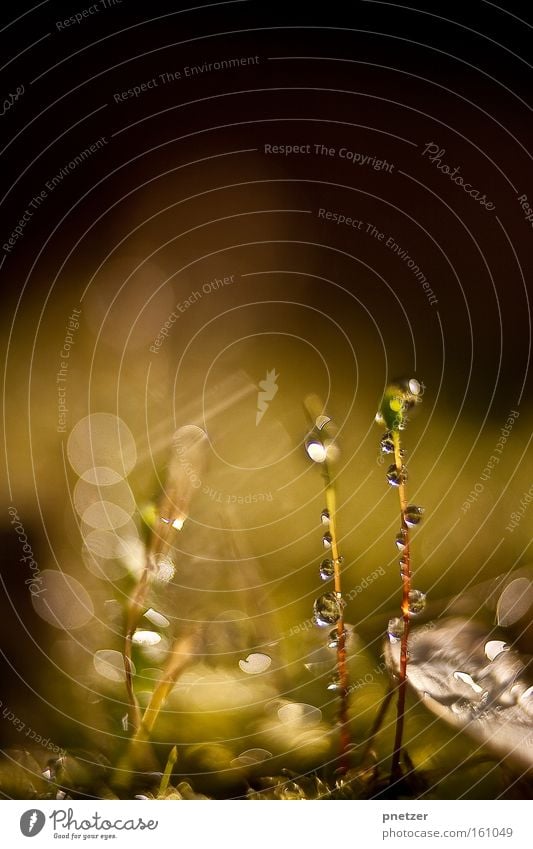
268	388
32	822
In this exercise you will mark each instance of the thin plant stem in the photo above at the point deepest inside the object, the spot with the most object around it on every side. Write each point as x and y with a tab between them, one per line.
134	714
172	758
181	655
406	589
132	619
378	722
158	544
326	432
342	669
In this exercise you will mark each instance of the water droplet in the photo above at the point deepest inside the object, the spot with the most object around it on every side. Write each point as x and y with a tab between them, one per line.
333	638
146	638
401	539
315	450
410	392
387	443
326	540
495	647
335	684
327	609
514	602
156	618
395	629
467	679
413	515
417	602
299	715
110	664
324	517
327	570
379	418
396	404
255	663
404	566
396	476
251	757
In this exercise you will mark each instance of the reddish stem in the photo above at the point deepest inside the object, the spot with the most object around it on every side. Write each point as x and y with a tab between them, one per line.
406	589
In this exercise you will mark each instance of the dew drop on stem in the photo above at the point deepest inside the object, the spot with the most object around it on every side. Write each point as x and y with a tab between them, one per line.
327	570
387	443
413	515
316	450
401	540
327	609
395	629
396	476
417	602
333	638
